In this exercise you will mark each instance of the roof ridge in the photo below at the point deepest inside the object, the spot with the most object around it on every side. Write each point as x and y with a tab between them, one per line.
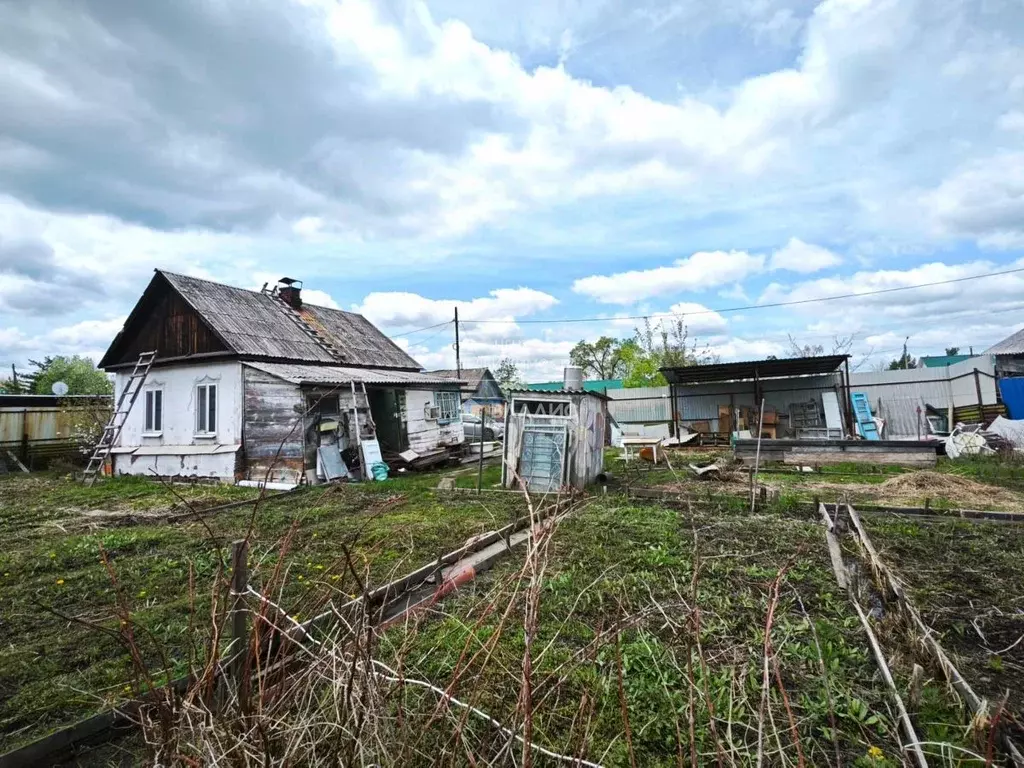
167	272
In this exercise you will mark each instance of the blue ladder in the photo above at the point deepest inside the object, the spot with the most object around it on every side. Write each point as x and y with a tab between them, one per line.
862	412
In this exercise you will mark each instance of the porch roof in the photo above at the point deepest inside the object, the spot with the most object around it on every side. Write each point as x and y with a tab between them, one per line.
338	374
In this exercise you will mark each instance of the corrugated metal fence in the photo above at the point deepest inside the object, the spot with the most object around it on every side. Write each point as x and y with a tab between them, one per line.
39	428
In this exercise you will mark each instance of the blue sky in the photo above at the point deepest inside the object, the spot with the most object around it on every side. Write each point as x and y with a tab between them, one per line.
529	161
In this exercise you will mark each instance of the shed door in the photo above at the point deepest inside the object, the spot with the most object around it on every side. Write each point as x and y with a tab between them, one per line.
542	464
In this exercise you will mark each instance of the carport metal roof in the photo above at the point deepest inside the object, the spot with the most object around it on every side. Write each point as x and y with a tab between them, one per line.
754	369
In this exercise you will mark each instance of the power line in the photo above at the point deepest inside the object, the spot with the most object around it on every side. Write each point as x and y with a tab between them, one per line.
418	330
772	305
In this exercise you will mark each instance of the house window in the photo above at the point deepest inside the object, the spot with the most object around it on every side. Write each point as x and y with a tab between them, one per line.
206	409
449	405
154	410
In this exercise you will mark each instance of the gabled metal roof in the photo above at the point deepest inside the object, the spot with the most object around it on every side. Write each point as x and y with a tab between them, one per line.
256	325
471	377
336	375
1011	345
754	369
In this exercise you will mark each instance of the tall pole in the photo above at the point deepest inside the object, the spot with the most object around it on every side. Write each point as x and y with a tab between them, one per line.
458	358
480	463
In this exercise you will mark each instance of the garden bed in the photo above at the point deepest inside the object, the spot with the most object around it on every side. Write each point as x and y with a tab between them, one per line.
643	628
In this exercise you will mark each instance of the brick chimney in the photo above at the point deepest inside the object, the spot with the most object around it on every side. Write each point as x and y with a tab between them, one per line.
290	290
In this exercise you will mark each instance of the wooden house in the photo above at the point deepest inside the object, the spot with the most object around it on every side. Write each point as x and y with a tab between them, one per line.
554	439
480	390
259	385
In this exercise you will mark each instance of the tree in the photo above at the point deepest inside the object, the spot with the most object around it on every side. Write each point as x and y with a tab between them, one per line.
16	384
841	345
951	351
79	373
904	361
507	376
651	349
600	360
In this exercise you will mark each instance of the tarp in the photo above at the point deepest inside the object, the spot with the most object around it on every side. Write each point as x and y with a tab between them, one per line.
1012	391
1010	430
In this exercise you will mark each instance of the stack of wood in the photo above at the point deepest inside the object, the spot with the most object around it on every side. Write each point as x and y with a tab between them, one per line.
417	462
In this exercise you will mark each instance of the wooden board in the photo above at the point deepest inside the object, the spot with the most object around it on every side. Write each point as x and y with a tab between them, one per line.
371	454
908	459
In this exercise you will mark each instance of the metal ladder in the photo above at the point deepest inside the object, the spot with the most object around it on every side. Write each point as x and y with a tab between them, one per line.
862	413
306	326
124	405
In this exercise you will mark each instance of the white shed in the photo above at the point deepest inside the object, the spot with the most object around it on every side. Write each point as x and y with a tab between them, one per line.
554	439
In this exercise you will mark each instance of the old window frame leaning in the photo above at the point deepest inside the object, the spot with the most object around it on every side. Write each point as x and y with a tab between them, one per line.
206	410
449	406
154	418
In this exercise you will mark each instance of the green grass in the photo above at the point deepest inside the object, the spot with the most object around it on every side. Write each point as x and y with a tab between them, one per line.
618	565
55	670
967	580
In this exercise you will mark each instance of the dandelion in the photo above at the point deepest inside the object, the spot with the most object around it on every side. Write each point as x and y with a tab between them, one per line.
142	593
127	689
59	582
874	753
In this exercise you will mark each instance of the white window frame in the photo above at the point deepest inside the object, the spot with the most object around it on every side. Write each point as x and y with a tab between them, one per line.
204	413
449	406
153	423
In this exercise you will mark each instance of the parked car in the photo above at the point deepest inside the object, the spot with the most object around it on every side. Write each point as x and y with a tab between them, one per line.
495	430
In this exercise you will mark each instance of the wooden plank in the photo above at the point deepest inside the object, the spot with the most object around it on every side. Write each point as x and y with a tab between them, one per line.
899	459
978	705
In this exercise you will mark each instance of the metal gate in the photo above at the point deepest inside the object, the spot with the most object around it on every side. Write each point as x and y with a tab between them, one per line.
542	463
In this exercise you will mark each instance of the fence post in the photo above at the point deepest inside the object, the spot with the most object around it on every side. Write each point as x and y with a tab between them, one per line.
981	401
239	615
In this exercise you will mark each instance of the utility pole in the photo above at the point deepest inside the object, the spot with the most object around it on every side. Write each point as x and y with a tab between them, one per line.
458	359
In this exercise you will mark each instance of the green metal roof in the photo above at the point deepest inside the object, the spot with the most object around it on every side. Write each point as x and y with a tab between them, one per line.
597	385
941	361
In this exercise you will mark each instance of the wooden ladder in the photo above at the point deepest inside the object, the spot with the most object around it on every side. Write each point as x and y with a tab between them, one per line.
306	327
112	431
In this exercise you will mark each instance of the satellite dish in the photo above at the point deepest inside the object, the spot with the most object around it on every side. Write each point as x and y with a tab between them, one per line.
59	388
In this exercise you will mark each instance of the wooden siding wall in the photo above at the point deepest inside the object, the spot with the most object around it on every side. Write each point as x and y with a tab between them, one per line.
346	435
428	435
585	418
272	431
172	328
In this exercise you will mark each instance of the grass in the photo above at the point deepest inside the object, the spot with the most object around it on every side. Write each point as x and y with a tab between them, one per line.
988	482
617	638
966	579
56	670
607	619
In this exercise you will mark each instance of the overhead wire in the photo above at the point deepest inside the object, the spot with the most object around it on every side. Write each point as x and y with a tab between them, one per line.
768	305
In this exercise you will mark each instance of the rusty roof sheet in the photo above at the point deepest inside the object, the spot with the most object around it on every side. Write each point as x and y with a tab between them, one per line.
470	376
340	374
257	325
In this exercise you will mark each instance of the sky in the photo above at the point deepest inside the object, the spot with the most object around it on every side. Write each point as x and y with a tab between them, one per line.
556	169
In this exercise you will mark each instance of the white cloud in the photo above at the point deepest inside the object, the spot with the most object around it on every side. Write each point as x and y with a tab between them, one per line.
400	310
931	304
699	271
698	318
89	333
706	269
985	200
319	298
798	256
1011	121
